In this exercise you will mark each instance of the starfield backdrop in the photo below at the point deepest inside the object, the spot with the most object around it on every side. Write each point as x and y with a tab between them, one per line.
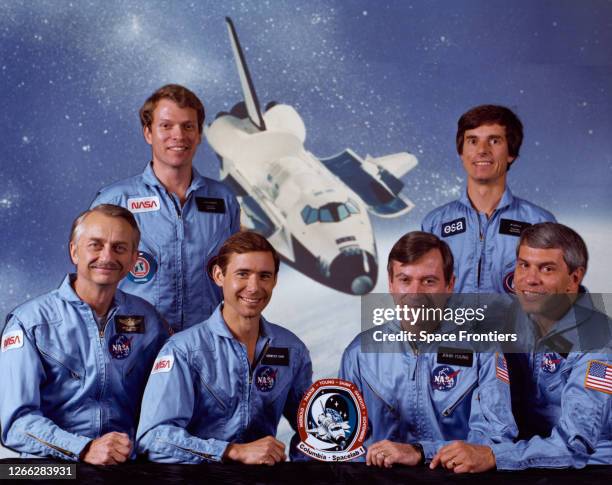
378	77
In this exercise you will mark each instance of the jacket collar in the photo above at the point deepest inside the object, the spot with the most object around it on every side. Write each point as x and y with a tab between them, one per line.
506	200
217	325
66	292
149	177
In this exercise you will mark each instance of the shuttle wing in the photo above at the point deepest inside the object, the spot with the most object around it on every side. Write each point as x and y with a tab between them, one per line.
377	186
248	89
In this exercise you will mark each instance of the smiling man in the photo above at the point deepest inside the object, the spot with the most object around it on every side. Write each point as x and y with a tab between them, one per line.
561	388
421	397
218	390
183	216
75	361
483	226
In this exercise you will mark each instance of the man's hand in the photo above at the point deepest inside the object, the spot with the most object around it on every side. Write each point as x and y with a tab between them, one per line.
265	451
109	449
461	457
388	453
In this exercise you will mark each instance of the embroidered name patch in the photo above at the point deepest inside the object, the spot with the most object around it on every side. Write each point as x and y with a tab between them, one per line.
143	204
464	358
210	204
452	228
276	356
512	228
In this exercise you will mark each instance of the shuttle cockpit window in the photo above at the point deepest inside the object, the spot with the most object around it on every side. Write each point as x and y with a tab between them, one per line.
332	212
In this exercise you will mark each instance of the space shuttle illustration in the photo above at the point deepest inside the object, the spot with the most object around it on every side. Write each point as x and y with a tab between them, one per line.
314	211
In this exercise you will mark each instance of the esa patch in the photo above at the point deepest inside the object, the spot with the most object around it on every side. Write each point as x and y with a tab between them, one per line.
120	346
550	362
210	204
144	269
463	358
453	228
512	228
599	377
12	340
444	378
143	204
163	363
129	324
276	356
265	378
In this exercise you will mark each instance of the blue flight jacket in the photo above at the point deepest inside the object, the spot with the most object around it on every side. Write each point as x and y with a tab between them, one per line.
484	249
64	381
176	242
204	394
430	396
562	398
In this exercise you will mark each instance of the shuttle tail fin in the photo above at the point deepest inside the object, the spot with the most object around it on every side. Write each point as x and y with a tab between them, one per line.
248	89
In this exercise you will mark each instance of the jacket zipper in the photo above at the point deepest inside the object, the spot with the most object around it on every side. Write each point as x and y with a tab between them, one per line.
448	411
56	448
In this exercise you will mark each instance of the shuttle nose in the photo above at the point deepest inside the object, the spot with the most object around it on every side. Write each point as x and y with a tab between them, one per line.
354	272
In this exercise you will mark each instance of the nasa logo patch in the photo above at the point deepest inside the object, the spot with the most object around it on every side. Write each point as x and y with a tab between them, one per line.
265	378
444	378
453	227
12	340
550	362
332	421
143	204
509	283
163	363
120	346
144	269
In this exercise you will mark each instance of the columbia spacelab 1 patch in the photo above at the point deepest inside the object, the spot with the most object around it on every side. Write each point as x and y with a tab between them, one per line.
144	269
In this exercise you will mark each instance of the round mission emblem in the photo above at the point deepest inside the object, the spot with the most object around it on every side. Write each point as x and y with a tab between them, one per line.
332	421
144	269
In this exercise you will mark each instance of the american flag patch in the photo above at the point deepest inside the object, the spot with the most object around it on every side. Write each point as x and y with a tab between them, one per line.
599	377
501	368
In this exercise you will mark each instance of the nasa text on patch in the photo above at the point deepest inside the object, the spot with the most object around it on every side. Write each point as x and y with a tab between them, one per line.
453	227
276	356
163	363
12	340
512	228
129	324
210	204
143	204
464	358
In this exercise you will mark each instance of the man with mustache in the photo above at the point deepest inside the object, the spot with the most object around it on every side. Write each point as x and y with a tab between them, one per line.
562	384
183	216
75	361
420	397
218	390
482	227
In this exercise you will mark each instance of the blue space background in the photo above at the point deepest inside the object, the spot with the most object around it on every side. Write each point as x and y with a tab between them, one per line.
377	77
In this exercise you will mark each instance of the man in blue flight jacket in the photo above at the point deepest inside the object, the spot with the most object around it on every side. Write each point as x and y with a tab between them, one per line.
183	216
217	390
483	226
418	398
562	387
75	361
